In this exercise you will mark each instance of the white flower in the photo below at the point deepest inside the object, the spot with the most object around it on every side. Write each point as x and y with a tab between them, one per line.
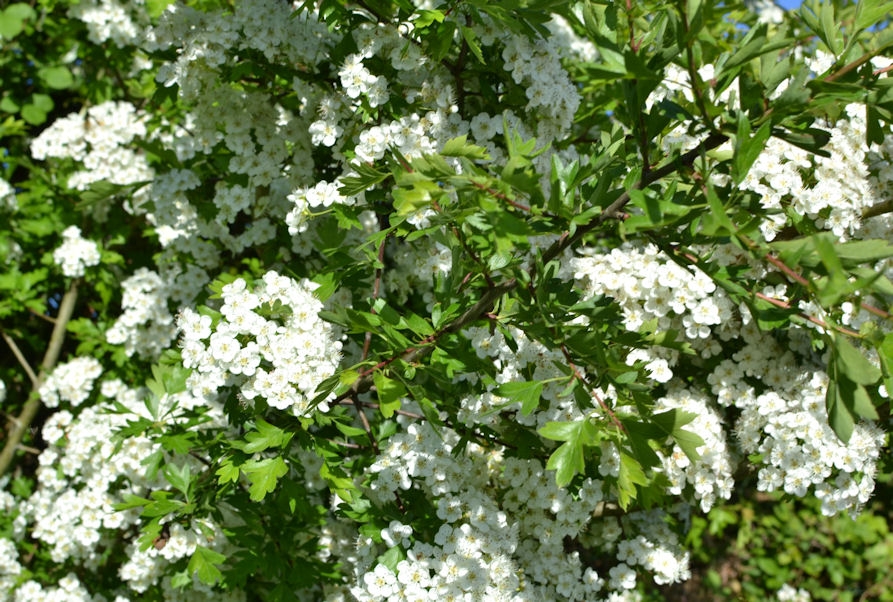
75	253
659	370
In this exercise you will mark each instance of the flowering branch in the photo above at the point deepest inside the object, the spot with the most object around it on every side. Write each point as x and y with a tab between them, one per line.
485	304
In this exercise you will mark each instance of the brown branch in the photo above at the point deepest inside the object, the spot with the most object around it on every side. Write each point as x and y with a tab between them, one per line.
788	271
43	317
813	319
21	358
614	209
375	406
879	209
424	347
633	45
693	76
501	196
875	310
586	383
57	338
850	67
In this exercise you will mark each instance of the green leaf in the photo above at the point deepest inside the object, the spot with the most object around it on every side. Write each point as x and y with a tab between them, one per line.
340	483
418	196
630	475
390	393
203	565
265	437
180	478
568	459
34	112
391	558
671	423
804	251
460	147
471	40
829	30
13	17
424	18
847	399
639	433
227	473
688	442
747	147
857	252
348	377
885	353
527	393
717	222
853	364
264	475
161	506
367	177
840	417
58	78
131	501
872	12
156	7
754	44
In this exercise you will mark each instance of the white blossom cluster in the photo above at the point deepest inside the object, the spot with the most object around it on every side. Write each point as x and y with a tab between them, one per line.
178	226
269	342
267	144
71	510
481	550
711	474
10	568
504	530
845	185
656	549
71	382
656	292
145	568
99	139
145	326
416	269
82	475
76	253
551	95
8	201
787	425
788	593
773	422
68	589
124	23
834	191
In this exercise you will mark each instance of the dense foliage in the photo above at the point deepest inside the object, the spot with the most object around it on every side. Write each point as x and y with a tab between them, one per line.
459	301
